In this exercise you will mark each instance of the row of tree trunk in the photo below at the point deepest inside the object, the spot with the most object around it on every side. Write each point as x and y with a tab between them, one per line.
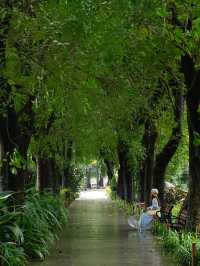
192	83
16	132
153	166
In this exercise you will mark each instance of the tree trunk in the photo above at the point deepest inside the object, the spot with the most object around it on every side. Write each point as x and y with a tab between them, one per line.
124	184
142	181
5	90
68	161
192	80
121	187
88	176
15	134
101	183
56	178
1	160
146	168
110	169
129	179
164	157
44	171
149	140
120	184
15	139
107	159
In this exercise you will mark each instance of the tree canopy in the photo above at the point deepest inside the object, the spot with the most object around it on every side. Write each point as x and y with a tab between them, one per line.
101	79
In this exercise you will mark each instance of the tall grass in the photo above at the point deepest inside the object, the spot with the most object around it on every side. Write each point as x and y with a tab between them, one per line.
30	231
121	204
179	244
126	206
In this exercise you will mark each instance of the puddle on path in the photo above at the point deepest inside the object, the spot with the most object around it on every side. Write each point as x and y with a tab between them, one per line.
98	235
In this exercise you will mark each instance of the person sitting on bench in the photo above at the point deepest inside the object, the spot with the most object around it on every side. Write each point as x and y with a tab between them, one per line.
146	219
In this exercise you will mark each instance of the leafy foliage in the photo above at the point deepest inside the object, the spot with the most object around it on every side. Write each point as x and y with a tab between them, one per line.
91	73
178	244
29	233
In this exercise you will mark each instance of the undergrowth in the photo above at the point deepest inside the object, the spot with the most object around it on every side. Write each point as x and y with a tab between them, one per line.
121	204
178	244
29	231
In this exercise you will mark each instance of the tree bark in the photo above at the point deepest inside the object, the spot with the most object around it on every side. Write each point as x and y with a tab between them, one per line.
110	169
101	183
164	157
88	177
68	161
15	137
107	159
129	179
44	180
56	178
149	140
15	133
5	90
192	80
142	181
124	184
120	183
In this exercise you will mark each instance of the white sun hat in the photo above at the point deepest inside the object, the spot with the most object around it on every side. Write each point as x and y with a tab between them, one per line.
154	191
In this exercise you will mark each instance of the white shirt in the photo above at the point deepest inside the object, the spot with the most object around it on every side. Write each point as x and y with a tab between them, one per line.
154	204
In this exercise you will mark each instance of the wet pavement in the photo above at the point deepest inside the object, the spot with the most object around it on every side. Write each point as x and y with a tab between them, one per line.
98	235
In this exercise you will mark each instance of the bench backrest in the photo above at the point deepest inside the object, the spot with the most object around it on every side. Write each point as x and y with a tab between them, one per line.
168	209
182	218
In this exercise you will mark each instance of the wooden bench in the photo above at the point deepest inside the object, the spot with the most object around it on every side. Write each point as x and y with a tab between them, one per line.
177	223
165	215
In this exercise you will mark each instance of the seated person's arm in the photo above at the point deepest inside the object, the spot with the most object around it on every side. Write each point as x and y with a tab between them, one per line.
154	205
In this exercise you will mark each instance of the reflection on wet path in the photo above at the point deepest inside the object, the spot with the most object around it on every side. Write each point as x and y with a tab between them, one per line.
98	235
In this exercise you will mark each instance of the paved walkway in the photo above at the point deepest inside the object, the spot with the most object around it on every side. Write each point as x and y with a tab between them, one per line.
98	235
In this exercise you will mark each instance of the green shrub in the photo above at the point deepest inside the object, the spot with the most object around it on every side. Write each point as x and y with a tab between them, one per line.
177	243
68	195
111	193
29	231
11	235
184	252
43	218
12	255
171	241
126	206
159	229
